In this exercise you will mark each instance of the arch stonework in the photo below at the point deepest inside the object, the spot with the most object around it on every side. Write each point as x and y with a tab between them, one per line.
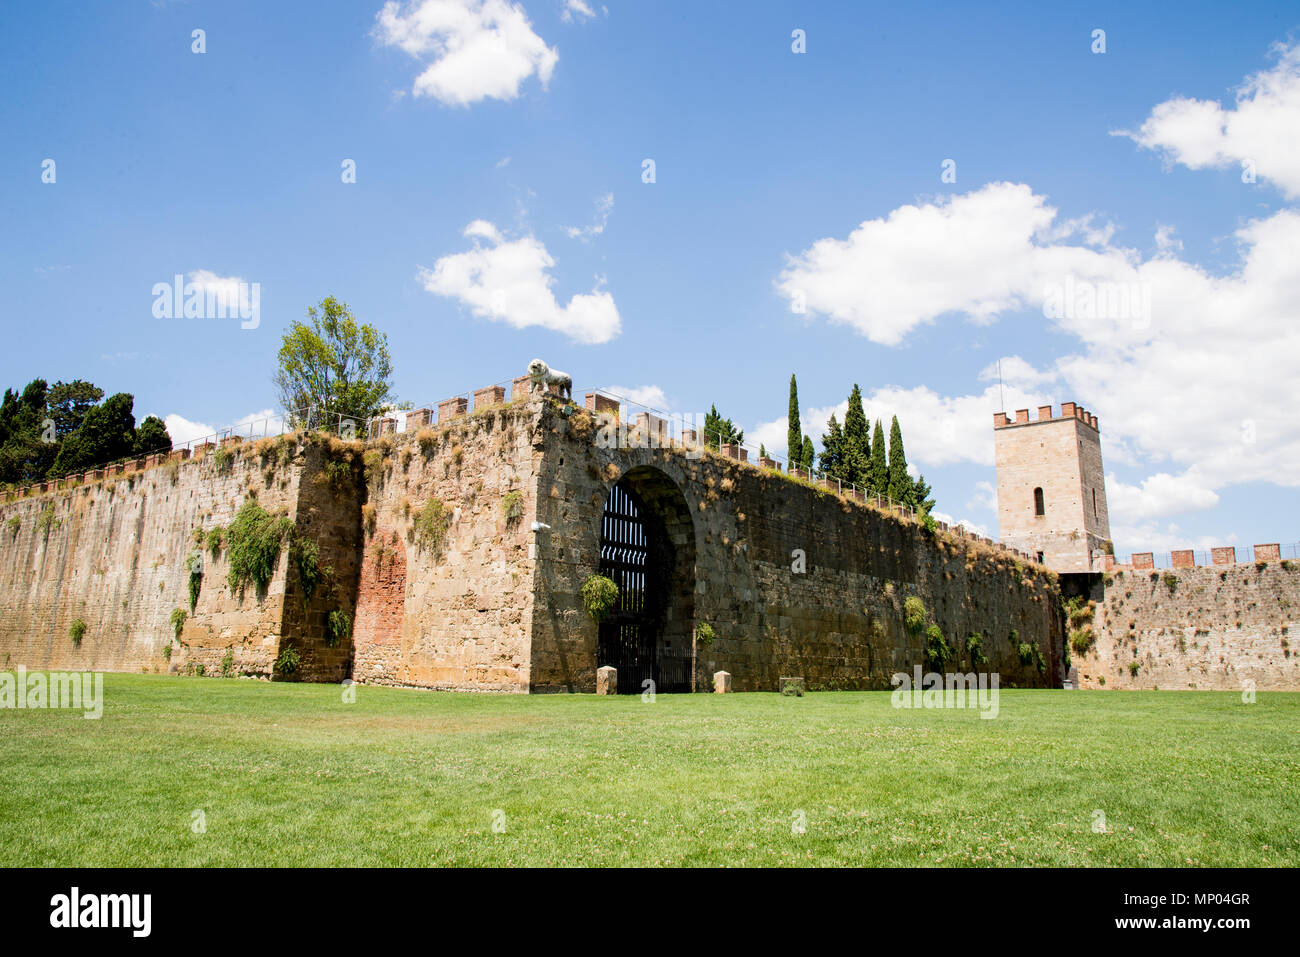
838	622
656	641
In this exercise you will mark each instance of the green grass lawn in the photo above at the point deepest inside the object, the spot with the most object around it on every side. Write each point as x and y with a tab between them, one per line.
290	775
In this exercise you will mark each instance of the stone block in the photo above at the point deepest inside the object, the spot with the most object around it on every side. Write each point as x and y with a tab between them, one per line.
1224	555
419	419
490	396
654	430
1183	558
595	402
721	682
791	686
520	387
1143	560
1268	553
607	680
449	409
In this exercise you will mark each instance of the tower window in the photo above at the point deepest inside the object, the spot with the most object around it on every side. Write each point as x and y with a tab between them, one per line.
1094	503
1039	507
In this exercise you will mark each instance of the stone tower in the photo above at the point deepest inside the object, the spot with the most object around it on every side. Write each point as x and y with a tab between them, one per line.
1051	487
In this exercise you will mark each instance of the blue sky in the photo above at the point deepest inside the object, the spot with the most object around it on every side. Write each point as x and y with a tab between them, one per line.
797	221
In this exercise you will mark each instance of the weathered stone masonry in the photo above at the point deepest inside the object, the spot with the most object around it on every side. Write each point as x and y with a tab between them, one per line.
1204	627
493	604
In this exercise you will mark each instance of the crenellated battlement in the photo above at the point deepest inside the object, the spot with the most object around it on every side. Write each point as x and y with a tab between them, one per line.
1069	410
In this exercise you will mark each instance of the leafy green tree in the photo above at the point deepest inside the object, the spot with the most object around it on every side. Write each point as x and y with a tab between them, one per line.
335	362
152	436
107	433
24	457
879	471
900	483
68	403
808	454
719	431
793	442
832	457
918	496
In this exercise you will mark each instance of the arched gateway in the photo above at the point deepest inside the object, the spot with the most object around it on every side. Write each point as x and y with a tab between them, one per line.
647	546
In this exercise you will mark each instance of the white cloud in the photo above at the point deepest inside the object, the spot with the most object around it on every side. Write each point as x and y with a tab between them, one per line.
1166	238
983	253
230	292
478	49
650	396
576	10
1204	377
1263	127
503	162
604	206
1159	496
509	281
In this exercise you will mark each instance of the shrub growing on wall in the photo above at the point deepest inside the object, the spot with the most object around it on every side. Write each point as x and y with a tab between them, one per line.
704	633
512	506
338	627
914	614
432	523
288	662
937	651
599	594
194	564
254	546
178	621
77	632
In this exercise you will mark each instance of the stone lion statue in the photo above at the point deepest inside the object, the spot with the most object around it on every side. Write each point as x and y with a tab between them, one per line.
544	377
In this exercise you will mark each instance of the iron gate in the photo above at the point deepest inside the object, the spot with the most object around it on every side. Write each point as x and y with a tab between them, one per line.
629	634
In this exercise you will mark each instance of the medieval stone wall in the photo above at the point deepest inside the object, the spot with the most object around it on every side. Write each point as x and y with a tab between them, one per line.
454	613
838	622
1204	627
113	553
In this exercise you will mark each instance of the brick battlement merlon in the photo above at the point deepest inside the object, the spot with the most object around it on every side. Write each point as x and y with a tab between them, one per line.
1069	410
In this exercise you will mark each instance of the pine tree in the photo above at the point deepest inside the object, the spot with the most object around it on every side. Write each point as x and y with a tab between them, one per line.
719	431
832	458
809	454
879	472
793	443
857	442
900	483
918	498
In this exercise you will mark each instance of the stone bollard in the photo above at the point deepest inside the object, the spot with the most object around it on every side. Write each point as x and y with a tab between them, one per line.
791	686
607	680
721	682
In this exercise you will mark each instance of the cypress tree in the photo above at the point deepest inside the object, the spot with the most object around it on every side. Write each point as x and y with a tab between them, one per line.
879	472
857	442
793	440
808	454
900	483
